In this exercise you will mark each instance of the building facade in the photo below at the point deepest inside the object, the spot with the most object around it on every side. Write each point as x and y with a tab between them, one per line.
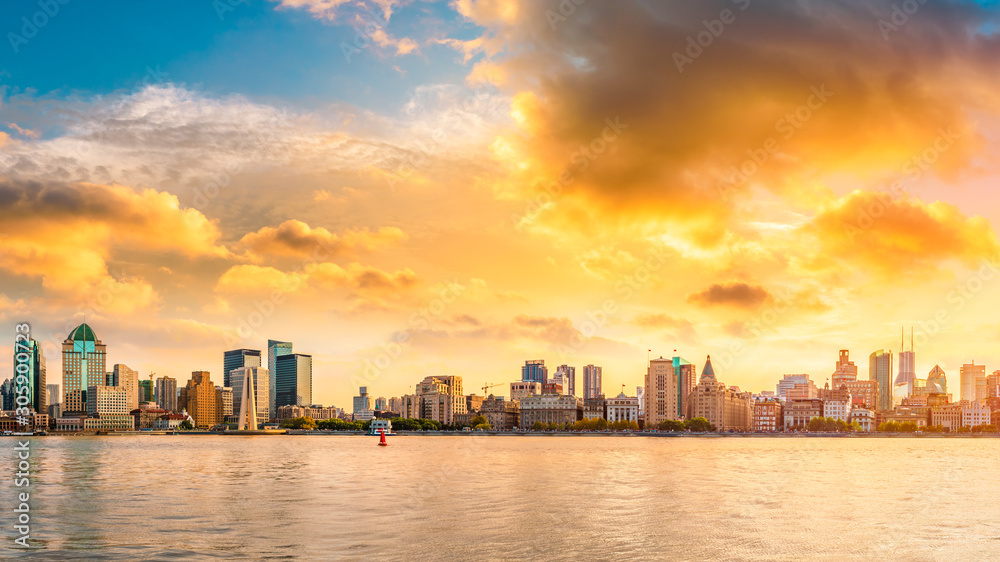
237	358
165	393
550	408
502	415
767	416
203	400
535	371
294	379
128	379
880	371
797	413
521	390
592	384
259	379
276	349
622	408
727	409
30	372
83	359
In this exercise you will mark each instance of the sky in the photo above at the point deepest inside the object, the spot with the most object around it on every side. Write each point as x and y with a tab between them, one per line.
405	188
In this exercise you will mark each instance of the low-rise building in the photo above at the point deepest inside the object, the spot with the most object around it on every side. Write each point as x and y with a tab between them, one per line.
594	408
318	413
144	417
865	417
902	414
767	415
502	415
838	409
550	408
172	421
522	389
622	408
797	413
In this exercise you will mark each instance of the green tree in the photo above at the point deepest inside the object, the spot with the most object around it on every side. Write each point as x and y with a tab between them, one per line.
699	425
816	424
299	423
479	420
538	426
186	425
671	425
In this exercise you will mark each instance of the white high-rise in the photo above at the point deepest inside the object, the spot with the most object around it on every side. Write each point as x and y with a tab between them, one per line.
259	378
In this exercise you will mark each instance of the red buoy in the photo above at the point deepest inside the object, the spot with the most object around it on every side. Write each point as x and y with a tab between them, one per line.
381	439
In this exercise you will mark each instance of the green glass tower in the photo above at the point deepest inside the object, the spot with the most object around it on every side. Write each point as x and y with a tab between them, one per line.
83	358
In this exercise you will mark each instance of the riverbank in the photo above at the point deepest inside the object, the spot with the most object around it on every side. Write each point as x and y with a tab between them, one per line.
579	434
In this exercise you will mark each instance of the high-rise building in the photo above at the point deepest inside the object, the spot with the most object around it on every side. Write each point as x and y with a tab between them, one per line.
521	390
381	404
937	382
249	418
146	391
440	398
30	362
7	391
362	402
83	358
566	376
103	400
796	387
238	358
968	377
294	380
129	380
224	397
259	378
880	370
276	349
535	371
993	384
53	390
202	400
165	393
661	392
591	381
907	370
846	370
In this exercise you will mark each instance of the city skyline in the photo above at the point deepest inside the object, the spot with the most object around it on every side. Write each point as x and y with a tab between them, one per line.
441	199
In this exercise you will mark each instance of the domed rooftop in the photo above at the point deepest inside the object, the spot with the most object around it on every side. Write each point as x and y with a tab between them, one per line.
83	332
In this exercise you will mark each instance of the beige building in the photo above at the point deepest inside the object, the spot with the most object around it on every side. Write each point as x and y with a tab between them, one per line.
550	408
202	400
727	409
107	408
668	385
260	378
798	412
224	399
523	389
128	379
863	393
165	393
291	411
437	398
622	408
969	377
503	415
594	408
865	417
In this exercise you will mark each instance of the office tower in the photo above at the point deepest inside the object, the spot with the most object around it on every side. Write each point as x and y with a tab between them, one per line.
275	349
993	385
225	400
591	381
238	358
535	371
165	393
937	383
248	419
30	362
362	403
103	400
880	370
202	400
294	380
53	396
260	379
968	380
661	392
381	404
846	371
687	375
129	380
440	398
83	362
907	370
8	394
566	376
146	391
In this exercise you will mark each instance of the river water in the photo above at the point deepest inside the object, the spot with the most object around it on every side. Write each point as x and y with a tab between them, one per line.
488	497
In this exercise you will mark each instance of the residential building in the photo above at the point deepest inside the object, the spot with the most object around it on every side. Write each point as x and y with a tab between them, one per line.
109	405
363	405
439	398
276	349
294	379
880	370
622	408
566	376
381	404
535	371
767	416
166	393
259	378
592	381
968	377
224	398
520	390
502	415
727	409
797	413
128	379
550	408
83	359
796	387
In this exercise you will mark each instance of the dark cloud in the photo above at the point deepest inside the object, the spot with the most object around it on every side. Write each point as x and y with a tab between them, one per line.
740	295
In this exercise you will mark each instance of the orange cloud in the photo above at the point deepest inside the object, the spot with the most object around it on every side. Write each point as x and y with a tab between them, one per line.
737	294
296	239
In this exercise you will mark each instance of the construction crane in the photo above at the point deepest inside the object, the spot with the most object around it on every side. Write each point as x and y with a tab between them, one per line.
488	386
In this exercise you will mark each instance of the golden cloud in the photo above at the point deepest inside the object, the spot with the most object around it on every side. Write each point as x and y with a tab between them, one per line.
736	294
296	239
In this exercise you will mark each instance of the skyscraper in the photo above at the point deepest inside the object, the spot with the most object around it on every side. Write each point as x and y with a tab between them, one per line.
145	390
686	374
202	400
238	358
907	369
165	393
128	379
880	370
535	371
669	383
30	362
937	382
275	349
247	399
362	402
591	381
968	380
83	359
846	371
294	380
260	379
567	378
53	397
